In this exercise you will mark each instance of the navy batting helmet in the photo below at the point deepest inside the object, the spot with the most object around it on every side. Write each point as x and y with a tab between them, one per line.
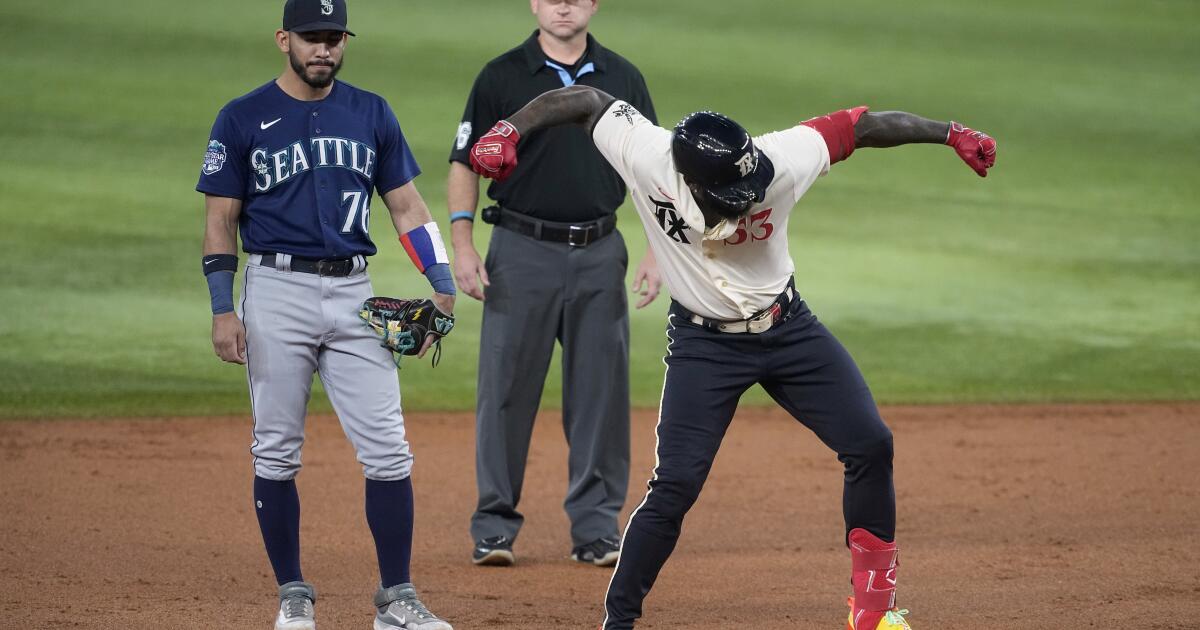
717	155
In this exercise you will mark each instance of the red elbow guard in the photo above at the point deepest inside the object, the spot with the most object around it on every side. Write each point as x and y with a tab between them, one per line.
838	131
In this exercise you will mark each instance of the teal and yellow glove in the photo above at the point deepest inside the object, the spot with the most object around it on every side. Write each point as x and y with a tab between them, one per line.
404	325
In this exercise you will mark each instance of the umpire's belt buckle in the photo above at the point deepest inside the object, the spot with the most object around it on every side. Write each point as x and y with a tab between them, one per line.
579	235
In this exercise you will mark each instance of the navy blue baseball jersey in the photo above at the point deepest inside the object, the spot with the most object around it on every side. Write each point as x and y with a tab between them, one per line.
305	170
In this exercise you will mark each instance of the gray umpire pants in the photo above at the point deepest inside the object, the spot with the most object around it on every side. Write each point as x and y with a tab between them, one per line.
541	292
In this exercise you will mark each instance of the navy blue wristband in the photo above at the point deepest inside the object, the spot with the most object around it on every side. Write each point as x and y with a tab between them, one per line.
440	278
219	262
220	291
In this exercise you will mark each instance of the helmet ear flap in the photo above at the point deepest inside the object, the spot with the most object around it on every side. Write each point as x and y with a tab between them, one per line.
720	202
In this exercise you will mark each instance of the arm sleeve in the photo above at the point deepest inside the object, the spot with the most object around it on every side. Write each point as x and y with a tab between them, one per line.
224	170
479	115
837	129
623	135
397	166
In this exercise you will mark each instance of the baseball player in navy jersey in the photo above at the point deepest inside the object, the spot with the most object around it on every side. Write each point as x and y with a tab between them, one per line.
292	166
715	204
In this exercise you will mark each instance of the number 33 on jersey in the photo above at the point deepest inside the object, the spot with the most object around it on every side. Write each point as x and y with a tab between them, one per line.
732	270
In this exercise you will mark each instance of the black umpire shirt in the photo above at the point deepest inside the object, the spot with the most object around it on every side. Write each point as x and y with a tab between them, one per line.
561	176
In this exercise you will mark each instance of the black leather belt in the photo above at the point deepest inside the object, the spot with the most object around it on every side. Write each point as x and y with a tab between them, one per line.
778	312
573	234
338	267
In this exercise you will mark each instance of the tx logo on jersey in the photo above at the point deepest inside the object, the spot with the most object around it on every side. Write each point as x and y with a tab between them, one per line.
670	221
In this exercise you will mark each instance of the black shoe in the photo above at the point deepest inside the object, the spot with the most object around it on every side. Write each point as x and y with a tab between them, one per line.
495	551
602	552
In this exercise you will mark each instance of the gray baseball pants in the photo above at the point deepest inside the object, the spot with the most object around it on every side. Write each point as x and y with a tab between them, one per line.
542	292
298	324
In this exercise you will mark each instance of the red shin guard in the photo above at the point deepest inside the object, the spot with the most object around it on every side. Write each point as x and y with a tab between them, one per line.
874	578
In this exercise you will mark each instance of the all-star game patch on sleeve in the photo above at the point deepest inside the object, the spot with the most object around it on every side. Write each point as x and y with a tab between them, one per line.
624	136
397	166
223	171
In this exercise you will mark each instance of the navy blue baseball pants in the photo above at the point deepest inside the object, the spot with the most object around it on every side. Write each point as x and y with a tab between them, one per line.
808	372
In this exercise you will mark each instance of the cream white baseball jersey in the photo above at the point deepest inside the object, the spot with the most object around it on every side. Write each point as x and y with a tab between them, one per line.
732	270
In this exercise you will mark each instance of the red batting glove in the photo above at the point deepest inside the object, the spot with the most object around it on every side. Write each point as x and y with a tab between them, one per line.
495	154
975	148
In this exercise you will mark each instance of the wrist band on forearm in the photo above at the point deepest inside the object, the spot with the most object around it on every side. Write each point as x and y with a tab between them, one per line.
219	262
220	292
441	279
218	272
425	248
462	215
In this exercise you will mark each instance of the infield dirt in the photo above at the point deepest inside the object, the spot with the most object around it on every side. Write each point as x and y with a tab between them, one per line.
1009	517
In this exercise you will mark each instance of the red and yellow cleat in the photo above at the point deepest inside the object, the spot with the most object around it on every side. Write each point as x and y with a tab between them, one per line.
887	620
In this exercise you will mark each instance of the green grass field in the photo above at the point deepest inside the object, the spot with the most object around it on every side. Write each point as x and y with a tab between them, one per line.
1071	273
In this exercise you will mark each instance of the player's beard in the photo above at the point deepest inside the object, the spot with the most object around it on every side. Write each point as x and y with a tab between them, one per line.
319	82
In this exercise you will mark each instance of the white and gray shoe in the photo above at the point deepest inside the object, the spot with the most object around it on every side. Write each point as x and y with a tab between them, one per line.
296	601
399	608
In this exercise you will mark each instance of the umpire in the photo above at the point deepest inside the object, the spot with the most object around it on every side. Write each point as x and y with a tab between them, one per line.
555	270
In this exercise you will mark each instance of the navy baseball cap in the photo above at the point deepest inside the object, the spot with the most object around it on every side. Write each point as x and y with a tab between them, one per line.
306	16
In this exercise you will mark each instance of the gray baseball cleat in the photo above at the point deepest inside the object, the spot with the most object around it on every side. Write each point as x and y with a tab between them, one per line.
296	607
399	608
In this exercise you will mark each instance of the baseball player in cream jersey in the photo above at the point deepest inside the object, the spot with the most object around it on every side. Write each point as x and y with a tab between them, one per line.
715	204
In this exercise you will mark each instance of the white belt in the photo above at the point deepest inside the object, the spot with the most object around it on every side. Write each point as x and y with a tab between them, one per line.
760	323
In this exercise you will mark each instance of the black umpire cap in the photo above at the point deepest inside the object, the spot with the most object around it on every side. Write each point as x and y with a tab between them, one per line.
306	16
718	155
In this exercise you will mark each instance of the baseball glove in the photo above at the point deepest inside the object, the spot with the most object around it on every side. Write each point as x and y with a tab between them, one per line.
403	325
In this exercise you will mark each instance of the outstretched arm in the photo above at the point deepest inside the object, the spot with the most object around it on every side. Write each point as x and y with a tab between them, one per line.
579	104
892	129
495	154
846	130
